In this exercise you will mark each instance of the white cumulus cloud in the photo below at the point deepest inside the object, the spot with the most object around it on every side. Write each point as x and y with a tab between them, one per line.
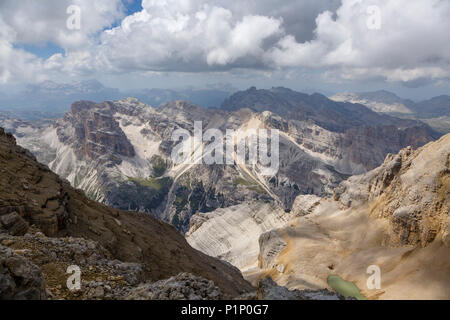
410	43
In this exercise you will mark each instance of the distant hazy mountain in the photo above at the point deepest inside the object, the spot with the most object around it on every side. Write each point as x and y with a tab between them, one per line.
388	102
435	111
49	99
207	98
434	107
329	114
379	101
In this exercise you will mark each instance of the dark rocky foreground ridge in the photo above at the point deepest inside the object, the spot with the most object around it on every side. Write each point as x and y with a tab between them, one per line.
68	228
47	226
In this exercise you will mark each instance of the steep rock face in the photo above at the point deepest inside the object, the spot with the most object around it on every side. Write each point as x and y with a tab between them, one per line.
411	189
271	244
41	198
395	217
305	204
389	139
232	233
97	132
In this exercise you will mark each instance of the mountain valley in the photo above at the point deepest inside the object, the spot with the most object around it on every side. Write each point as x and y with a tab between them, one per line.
354	188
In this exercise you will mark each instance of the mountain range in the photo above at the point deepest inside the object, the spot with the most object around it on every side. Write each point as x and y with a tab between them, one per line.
338	189
435	111
48	230
119	152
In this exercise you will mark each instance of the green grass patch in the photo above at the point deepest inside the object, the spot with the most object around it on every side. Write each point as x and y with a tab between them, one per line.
251	185
157	184
242	181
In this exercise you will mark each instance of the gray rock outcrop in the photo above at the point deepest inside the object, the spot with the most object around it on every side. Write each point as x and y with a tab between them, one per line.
19	278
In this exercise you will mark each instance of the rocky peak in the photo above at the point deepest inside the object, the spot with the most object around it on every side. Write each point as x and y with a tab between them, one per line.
7	136
332	115
96	131
132	106
180	106
184	113
411	190
81	106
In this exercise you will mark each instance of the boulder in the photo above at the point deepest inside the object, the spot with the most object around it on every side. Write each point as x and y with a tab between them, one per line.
14	224
19	278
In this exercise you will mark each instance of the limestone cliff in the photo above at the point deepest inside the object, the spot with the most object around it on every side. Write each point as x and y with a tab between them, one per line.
232	233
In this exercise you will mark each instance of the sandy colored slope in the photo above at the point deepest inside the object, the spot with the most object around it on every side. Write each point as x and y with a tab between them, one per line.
349	242
395	217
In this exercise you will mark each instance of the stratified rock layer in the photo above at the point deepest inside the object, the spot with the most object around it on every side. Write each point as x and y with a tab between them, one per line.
232	233
395	218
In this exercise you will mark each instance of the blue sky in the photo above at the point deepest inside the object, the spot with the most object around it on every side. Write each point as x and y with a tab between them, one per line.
47	49
43	50
133	6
